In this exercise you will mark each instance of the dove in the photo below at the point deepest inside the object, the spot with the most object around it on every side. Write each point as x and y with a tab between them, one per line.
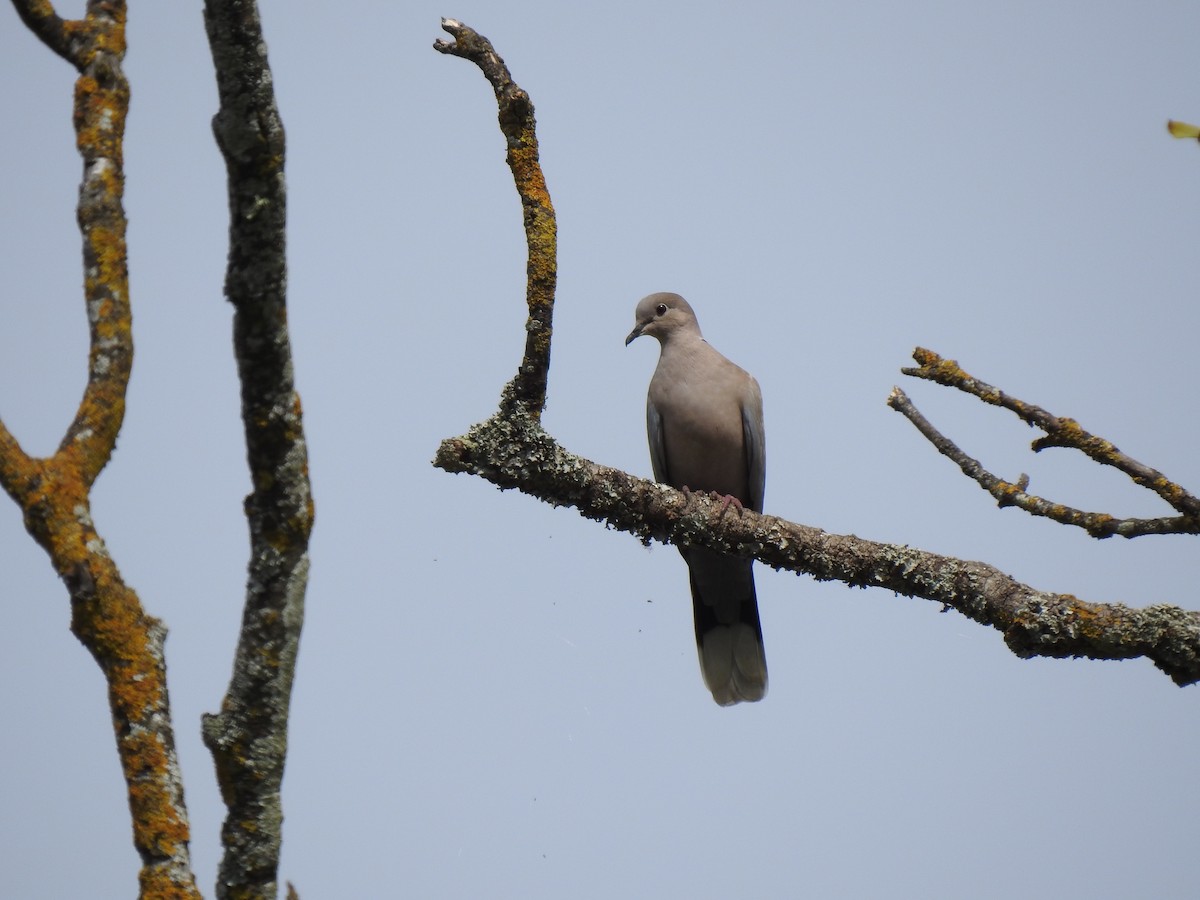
704	422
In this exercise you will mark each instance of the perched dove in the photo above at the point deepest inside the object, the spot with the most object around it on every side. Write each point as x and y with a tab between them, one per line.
705	424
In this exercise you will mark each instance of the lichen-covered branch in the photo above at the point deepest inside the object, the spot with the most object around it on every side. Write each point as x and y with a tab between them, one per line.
1060	432
248	738
517	453
513	451
528	387
53	493
40	18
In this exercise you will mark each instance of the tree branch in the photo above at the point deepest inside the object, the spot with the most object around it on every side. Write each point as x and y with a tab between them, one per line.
512	450
53	493
519	454
1060	432
528	387
248	738
40	18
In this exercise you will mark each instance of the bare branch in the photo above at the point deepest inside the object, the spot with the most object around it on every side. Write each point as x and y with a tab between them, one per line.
528	387
518	454
53	493
16	466
97	45
1098	525
248	738
1060	432
40	18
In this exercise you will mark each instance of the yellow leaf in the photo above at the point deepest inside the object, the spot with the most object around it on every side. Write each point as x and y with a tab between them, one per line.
1182	129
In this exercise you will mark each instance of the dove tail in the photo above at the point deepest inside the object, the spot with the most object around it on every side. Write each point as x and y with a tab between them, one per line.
728	632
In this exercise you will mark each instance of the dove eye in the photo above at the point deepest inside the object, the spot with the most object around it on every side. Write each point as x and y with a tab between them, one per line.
661	309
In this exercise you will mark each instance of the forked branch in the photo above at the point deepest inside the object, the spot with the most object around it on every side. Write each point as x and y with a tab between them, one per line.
1059	432
54	493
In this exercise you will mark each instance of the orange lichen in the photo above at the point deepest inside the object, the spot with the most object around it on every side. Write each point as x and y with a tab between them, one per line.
53	493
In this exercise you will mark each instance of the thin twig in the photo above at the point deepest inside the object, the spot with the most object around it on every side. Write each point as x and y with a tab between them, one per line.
1060	431
1097	524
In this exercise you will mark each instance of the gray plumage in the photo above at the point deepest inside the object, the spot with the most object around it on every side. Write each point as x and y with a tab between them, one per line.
705	425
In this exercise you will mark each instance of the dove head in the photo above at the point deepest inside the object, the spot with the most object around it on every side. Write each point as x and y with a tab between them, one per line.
663	316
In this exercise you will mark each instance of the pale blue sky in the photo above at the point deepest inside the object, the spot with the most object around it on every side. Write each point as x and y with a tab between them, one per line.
497	698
